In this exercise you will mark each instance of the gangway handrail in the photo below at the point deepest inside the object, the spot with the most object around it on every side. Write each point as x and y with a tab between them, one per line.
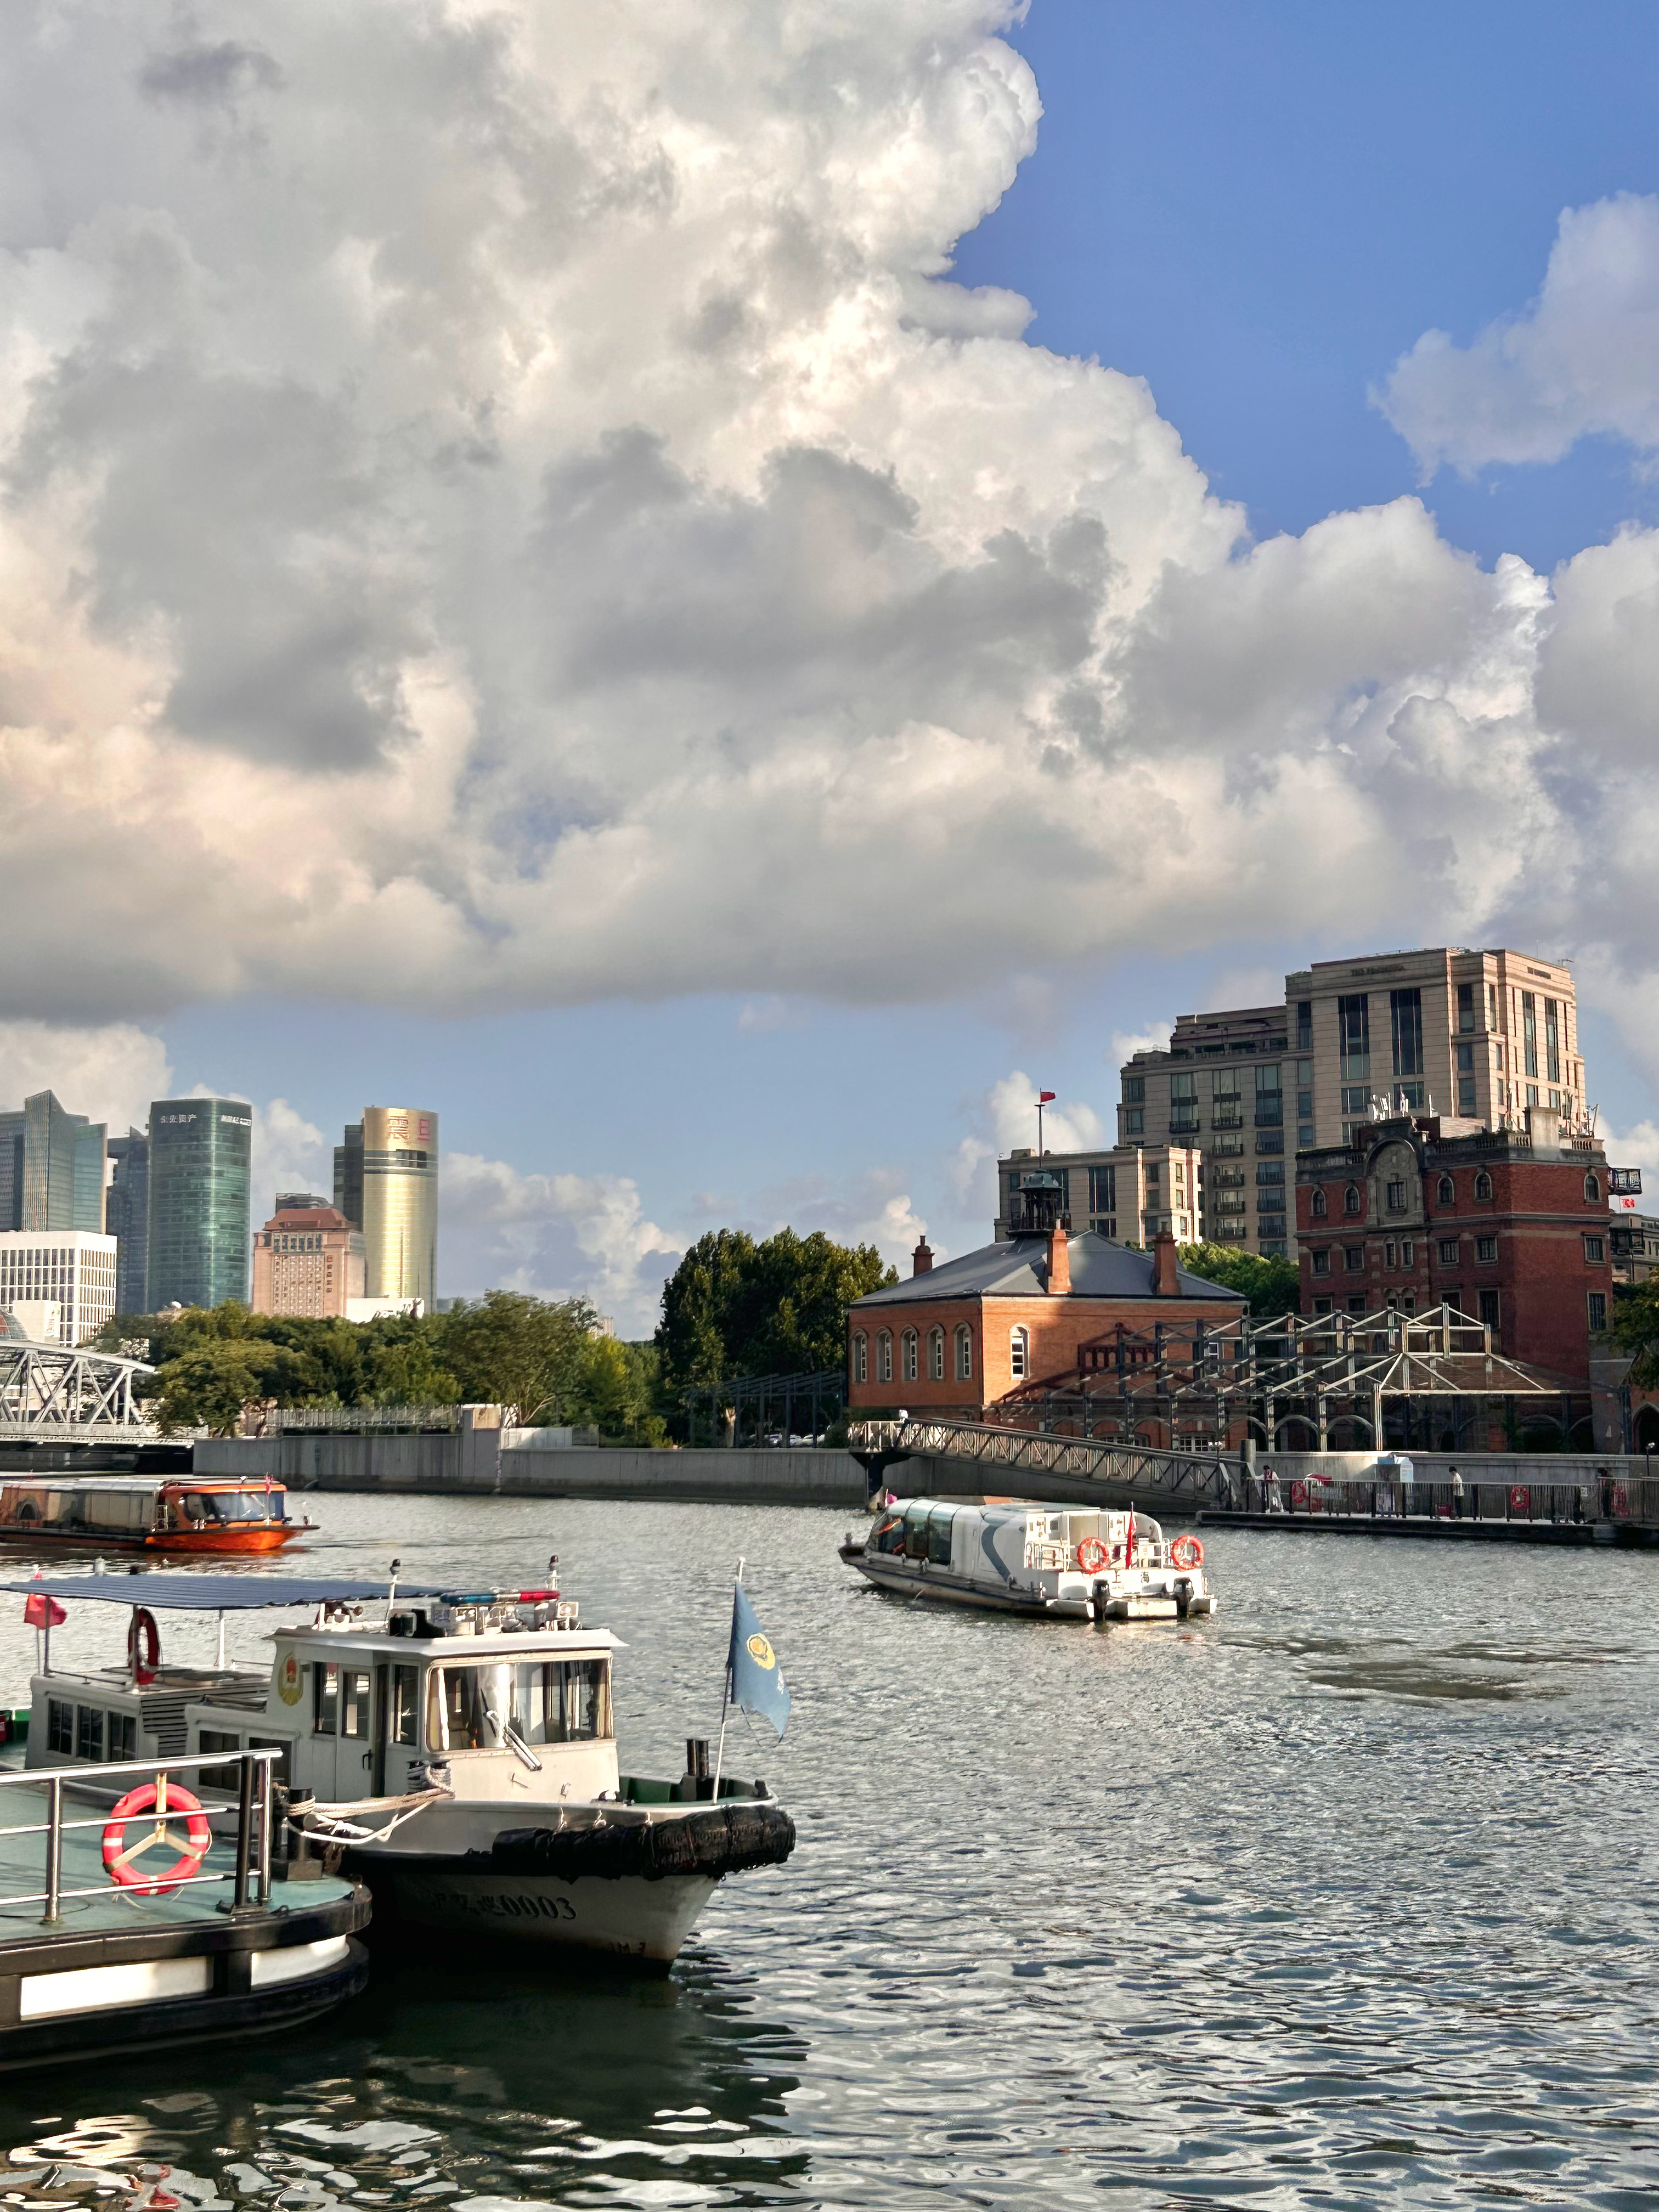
253	1810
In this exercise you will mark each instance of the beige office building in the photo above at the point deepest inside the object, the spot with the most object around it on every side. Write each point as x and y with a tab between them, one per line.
1131	1194
1476	1038
308	1262
400	1204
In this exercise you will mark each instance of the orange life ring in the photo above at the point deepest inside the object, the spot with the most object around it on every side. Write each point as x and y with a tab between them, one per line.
1520	1499
117	1861
1298	1496
1092	1555
1186	1551
143	1645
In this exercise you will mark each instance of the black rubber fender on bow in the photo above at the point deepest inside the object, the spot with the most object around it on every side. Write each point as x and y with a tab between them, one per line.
713	1841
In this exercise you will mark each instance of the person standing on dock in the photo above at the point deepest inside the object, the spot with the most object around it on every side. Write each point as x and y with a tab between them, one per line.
1457	1494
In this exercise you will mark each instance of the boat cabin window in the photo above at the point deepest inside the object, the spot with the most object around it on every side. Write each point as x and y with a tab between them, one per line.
325	1690
197	1508
123	1736
282	1771
938	1534
915	1531
404	1720
218	1777
341	1700
89	1731
60	1727
537	1700
889	1535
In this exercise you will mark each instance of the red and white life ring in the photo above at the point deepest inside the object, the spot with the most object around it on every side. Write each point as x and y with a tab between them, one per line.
1520	1499
163	1800
1186	1551
143	1645
1298	1496
1092	1555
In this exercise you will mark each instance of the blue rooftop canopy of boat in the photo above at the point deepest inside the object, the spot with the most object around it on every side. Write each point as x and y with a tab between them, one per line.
191	1592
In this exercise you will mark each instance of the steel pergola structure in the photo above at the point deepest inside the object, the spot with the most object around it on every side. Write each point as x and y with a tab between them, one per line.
1326	1383
50	1391
762	1399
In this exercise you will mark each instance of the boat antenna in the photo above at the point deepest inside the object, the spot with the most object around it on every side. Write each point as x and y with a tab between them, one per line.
725	1685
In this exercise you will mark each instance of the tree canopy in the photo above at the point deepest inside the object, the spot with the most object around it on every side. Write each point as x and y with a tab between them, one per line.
734	1306
1636	1329
1272	1286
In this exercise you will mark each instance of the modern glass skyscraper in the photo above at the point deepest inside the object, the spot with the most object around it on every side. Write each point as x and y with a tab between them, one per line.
127	1219
51	1168
199	1212
400	1202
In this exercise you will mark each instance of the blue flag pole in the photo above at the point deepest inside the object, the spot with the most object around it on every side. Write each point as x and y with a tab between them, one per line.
725	1691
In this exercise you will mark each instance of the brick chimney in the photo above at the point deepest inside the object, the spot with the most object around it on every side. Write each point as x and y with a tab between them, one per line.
922	1260
1059	1261
1166	1283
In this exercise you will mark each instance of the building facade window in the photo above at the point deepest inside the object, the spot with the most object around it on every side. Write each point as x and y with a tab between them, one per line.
936	1356
1488	1304
885	1356
1592	1190
1408	1253
1353	1258
1529	1037
1551	1043
1321	1263
1318	1207
1353	1031
1019	1352
1595	1250
1449	1251
964	1354
1134	1090
1483	1187
1135	1120
1405	1024
1485	1250
1446	1191
907	1351
1304	1024
860	1358
1351	1199
1396	1195
1466	1007
1598	1312
1355	1100
1102	1190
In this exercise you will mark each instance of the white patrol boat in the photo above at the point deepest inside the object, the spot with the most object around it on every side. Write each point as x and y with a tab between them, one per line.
1058	1562
453	1749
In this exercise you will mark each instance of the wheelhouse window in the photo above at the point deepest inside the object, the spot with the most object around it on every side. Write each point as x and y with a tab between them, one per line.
60	1727
404	1717
1019	1353
325	1698
123	1736
484	1708
964	1354
88	1732
354	1702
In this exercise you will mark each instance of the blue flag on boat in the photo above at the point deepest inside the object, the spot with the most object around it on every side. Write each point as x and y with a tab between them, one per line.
757	1683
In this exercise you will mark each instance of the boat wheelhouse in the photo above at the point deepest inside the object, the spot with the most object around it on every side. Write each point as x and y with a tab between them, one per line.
455	1749
1056	1562
153	1513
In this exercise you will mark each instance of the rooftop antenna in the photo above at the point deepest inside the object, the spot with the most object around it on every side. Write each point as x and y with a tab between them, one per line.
1044	1098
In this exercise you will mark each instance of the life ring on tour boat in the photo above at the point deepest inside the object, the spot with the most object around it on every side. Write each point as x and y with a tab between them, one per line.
1092	1555
1298	1496
1520	1499
143	1645
117	1861
1186	1551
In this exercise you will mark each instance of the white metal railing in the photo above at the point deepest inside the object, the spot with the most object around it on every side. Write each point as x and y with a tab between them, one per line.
253	1810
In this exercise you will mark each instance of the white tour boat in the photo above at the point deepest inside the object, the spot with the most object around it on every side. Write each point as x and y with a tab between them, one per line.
1058	1562
452	1749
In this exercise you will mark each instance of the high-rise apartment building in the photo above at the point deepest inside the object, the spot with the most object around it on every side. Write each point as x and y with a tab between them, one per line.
126	1217
51	1168
198	1209
1475	1037
395	1159
308	1260
68	1268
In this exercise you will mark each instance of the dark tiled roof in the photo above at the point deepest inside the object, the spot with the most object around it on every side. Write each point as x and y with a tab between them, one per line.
1019	1269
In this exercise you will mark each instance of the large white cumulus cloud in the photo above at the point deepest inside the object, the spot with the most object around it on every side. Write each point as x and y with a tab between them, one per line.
507	503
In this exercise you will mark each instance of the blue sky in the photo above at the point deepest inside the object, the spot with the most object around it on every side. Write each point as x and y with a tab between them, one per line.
1258	209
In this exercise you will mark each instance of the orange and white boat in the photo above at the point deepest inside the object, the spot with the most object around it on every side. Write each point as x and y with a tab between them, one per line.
182	1513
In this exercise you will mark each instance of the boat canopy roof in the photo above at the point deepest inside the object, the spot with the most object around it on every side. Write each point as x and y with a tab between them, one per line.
134	1485
192	1593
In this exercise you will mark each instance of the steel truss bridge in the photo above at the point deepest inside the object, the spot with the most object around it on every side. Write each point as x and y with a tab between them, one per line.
1339	1381
69	1394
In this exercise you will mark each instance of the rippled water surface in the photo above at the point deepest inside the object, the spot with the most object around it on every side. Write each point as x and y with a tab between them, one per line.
1346	1898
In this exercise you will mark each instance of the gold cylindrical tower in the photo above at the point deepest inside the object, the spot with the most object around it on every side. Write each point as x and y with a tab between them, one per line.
400	1203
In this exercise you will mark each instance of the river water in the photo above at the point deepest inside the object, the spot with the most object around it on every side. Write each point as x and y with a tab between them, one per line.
1346	1898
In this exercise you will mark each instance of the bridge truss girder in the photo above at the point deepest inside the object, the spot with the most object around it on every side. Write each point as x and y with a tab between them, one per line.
47	1389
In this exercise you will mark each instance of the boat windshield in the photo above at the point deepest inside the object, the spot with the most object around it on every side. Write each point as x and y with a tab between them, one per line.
537	1700
889	1533
205	1508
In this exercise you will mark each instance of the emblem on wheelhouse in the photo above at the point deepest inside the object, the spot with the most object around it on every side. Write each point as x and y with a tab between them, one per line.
1056	1562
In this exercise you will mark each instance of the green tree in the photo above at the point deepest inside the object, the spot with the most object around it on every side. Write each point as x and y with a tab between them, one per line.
1636	1330
736	1306
1272	1286
529	1354
619	1392
208	1386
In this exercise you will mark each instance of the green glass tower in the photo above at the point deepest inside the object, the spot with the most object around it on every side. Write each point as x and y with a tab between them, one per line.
200	1222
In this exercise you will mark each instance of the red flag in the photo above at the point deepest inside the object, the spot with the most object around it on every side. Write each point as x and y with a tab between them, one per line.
1045	1097
40	1611
1129	1542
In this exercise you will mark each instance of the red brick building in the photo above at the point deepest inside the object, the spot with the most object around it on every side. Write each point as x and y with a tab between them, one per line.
955	1338
1509	1229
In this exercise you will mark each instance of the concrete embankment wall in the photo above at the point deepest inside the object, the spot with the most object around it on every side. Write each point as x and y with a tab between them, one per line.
473	1463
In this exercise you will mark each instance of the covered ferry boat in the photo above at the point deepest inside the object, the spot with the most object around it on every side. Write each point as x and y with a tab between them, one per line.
182	1513
453	1749
1055	1562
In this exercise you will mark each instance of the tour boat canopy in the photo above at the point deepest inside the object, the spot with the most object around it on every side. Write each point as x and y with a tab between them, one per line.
194	1593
